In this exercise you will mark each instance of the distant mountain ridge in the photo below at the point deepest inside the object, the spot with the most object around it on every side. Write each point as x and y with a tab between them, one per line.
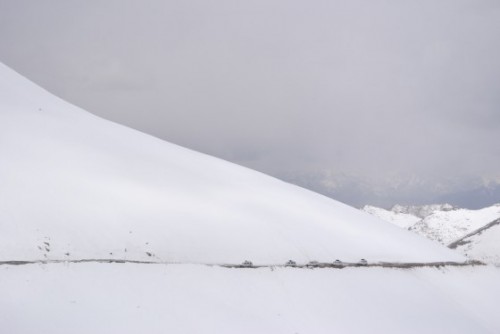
473	193
422	211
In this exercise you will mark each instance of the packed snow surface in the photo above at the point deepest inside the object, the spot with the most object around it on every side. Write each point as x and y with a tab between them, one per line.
75	186
134	298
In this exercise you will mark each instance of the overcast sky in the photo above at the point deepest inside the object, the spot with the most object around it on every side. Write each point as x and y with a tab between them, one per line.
369	88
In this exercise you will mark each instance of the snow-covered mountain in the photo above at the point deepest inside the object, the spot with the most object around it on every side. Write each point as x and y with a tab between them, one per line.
472	232
440	222
448	226
401	219
75	186
77	191
422	211
483	243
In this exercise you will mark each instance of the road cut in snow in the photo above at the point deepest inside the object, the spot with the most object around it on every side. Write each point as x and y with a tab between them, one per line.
74	186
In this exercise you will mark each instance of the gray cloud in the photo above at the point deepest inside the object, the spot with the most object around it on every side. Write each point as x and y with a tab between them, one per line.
369	88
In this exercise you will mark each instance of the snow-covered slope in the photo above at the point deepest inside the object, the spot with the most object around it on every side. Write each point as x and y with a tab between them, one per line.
474	233
75	186
401	219
406	216
422	211
439	222
448	226
482	244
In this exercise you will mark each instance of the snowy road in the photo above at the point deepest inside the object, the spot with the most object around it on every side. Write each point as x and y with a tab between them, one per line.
341	265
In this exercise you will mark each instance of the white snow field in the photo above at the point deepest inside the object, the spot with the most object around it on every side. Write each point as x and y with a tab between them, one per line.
74	186
139	298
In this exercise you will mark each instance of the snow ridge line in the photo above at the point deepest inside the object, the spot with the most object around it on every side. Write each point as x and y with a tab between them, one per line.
397	265
462	241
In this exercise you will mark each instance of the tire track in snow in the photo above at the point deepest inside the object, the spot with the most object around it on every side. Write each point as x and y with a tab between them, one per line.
397	265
